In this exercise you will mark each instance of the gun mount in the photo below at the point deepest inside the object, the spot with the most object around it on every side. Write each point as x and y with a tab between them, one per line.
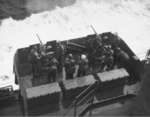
23	69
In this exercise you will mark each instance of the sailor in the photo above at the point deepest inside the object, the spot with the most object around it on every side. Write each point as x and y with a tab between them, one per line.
60	55
43	50
115	41
43	55
90	49
105	40
69	67
97	55
147	56
122	58
108	48
101	48
83	65
49	48
52	64
96	42
108	60
33	58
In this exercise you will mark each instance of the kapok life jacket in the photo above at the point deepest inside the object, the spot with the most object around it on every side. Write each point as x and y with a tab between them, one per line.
83	64
70	66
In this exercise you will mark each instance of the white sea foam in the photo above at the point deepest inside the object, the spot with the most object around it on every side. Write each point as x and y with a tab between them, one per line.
130	18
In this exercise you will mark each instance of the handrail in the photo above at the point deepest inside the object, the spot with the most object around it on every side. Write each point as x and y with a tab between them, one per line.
84	104
26	82
85	90
75	101
85	97
69	107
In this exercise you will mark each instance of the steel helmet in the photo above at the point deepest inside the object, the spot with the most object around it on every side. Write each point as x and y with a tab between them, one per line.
70	56
118	49
49	47
115	33
105	37
109	46
32	51
83	57
35	47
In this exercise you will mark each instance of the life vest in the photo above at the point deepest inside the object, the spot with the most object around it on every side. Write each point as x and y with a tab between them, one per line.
83	65
70	66
33	57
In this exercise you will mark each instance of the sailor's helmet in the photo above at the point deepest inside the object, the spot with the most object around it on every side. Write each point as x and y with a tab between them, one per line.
70	56
109	46
35	47
118	49
49	47
32	51
83	57
115	33
105	37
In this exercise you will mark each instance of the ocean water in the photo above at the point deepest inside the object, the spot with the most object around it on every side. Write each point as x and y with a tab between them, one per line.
21	20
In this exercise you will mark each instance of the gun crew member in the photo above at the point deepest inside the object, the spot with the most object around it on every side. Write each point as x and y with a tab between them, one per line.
122	58
83	65
90	49
33	58
60	54
108	48
115	41
97	55
69	67
108	60
52	64
105	40
96	43
147	56
43	55
43	50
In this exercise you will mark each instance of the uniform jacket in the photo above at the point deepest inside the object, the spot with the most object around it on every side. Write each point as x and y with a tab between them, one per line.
52	64
70	65
83	64
33	57
122	56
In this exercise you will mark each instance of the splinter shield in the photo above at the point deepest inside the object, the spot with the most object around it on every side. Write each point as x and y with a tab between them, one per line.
23	55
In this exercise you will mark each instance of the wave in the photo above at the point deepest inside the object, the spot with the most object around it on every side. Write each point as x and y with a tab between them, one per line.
70	19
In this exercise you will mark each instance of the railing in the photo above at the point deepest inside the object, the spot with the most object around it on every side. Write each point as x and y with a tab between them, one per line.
76	104
76	99
7	96
69	108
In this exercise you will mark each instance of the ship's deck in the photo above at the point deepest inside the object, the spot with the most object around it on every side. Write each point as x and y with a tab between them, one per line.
59	108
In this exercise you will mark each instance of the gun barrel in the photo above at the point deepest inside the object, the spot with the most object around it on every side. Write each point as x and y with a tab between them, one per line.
39	39
93	30
96	33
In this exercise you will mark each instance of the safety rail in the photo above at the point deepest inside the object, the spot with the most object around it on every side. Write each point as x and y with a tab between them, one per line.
69	108
77	103
7	96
